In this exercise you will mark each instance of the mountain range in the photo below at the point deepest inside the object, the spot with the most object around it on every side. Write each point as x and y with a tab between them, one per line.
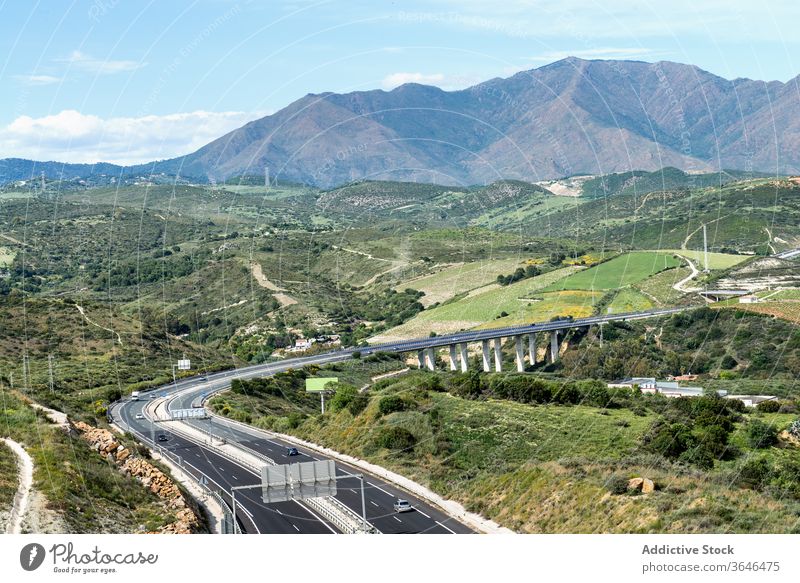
567	118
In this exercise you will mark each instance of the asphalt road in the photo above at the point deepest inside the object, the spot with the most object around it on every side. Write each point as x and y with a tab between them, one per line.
223	473
291	516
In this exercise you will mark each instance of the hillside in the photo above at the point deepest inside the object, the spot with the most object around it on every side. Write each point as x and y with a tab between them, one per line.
551	456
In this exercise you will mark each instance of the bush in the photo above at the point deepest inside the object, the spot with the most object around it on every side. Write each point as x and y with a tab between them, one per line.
356	354
754	473
358	404
397	438
769	406
761	435
617	484
343	397
390	404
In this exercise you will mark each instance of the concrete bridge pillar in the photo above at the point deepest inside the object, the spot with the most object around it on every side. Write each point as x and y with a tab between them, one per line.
485	348
498	354
430	358
553	345
519	353
532	348
421	358
462	348
453	364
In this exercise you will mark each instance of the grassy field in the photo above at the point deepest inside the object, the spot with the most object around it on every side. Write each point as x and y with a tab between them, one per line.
659	288
474	310
629	300
715	260
786	310
546	306
457	279
618	272
6	256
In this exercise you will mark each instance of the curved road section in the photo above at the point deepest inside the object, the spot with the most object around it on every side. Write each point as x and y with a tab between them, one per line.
223	473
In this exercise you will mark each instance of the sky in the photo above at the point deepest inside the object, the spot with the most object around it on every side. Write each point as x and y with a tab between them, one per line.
134	81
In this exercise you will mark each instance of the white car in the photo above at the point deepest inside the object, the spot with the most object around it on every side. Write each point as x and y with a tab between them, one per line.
139	416
403	506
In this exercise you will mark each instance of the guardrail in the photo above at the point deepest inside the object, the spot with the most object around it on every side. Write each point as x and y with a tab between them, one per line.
331	509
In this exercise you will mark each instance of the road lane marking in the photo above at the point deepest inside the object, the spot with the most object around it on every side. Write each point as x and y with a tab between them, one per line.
444	527
421	512
373	503
381	489
397	519
295	527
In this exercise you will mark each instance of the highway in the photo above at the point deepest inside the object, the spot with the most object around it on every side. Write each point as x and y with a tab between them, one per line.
291	517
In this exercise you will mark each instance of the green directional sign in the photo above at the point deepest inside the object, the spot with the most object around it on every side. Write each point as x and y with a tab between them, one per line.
318	385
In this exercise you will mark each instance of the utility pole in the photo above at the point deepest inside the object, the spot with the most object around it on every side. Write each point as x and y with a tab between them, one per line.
705	248
50	380
26	373
43	183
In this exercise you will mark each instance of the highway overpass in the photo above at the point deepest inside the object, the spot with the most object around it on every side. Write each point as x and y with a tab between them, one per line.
223	473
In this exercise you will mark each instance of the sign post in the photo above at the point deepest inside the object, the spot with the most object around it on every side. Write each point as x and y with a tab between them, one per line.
321	386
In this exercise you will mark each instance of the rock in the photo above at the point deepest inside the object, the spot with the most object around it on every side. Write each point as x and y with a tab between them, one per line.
648	486
122	455
635	483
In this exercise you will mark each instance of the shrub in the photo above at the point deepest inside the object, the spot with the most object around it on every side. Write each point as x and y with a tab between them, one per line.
390	404
397	438
769	406
356	354
617	484
754	473
761	435
343	397
358	404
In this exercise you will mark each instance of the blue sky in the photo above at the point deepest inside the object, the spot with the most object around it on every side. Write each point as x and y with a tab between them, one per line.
130	81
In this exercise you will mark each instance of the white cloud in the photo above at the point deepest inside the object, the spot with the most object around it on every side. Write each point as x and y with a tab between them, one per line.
38	79
437	79
91	64
70	136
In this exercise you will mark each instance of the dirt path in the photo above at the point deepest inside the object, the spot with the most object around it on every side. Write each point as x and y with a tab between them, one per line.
13	240
283	298
22	497
770	240
258	273
367	255
93	323
680	286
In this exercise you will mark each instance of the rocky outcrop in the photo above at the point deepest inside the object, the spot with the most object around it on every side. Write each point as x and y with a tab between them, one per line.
106	444
646	485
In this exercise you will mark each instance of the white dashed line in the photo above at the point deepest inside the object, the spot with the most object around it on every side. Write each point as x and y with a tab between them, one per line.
295	527
444	527
421	512
381	489
371	502
397	519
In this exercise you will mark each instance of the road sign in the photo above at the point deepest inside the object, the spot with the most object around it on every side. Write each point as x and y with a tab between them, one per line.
203	481
320	384
298	481
184	364
198	413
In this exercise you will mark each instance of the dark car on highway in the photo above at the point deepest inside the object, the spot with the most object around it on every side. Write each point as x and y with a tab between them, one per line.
292	451
162	437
